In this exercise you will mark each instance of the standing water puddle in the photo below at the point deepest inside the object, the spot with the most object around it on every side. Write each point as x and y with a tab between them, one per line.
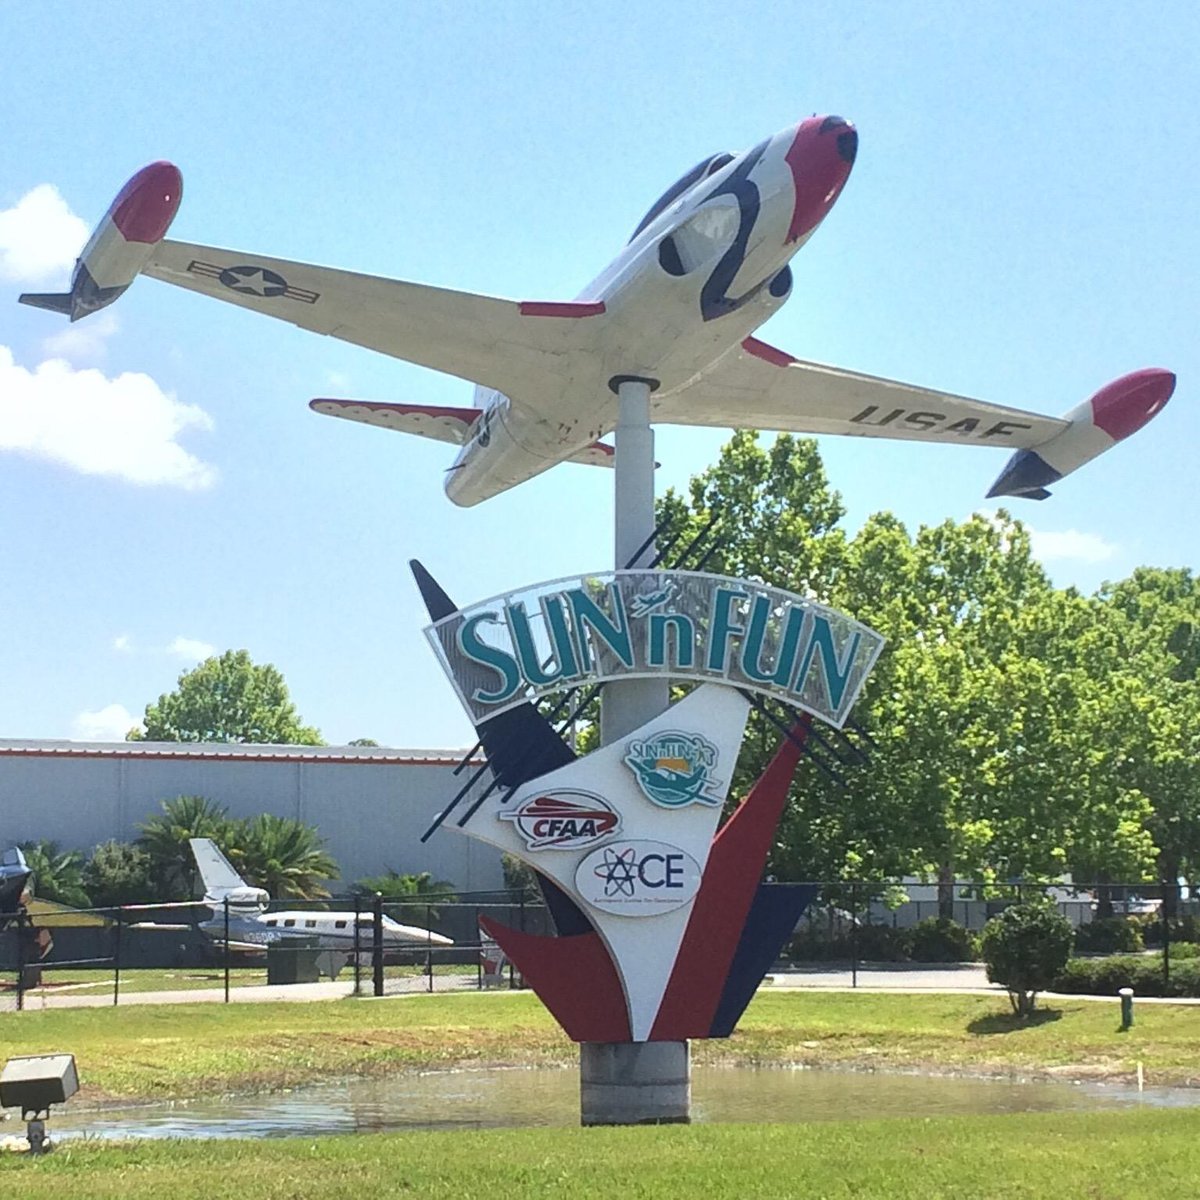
497	1099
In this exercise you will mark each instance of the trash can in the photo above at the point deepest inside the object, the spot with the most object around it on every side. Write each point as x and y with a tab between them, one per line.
293	960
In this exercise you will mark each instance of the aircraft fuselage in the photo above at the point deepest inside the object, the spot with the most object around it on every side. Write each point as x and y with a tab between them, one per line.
705	269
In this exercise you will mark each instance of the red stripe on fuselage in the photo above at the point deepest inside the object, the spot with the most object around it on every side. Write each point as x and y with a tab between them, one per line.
552	308
767	352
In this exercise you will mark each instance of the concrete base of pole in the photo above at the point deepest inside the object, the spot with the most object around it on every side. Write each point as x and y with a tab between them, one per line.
635	1083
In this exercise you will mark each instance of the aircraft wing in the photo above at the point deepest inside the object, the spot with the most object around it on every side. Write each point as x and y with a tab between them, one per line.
441	423
425	420
498	343
756	386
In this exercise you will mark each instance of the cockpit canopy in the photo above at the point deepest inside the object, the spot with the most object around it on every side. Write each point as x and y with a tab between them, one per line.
710	166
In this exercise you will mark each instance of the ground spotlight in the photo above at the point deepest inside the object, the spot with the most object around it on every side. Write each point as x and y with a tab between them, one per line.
33	1084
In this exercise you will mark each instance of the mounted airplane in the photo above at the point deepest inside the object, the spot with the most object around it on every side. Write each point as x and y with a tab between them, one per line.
677	308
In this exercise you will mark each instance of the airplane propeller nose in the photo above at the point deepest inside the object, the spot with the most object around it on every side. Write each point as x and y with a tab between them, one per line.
820	157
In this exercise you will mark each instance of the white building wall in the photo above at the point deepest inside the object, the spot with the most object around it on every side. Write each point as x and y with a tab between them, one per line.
371	806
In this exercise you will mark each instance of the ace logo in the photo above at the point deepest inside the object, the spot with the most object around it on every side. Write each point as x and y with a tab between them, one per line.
564	820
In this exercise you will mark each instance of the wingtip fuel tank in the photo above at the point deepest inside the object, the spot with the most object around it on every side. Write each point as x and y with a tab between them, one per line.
136	221
1116	411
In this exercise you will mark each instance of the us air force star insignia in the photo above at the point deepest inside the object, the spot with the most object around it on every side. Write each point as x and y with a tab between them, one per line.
674	769
253	281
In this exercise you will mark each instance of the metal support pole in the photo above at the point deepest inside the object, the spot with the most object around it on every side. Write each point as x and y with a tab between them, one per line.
226	949
1166	925
629	703
377	946
357	949
631	1083
429	946
854	935
19	927
117	960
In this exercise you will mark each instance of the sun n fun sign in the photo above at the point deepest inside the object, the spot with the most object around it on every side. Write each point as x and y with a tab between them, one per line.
682	624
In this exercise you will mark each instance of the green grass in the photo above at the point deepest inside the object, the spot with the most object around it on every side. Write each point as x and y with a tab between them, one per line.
100	983
163	1051
1066	1156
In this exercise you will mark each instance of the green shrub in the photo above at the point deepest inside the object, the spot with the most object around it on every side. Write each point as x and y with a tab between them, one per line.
1184	950
1142	972
871	943
1183	929
1025	948
1108	935
941	940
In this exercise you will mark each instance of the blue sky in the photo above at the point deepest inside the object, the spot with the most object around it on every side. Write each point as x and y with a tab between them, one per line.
1020	225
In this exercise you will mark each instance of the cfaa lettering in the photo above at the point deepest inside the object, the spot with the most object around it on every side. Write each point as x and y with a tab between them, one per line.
557	828
967	427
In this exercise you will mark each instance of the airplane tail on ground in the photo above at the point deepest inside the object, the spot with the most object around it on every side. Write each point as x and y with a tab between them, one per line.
215	869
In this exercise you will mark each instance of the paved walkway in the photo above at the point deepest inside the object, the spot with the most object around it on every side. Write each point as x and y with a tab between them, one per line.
952	978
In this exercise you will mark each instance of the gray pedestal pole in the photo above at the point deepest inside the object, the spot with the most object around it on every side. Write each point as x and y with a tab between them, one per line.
633	1083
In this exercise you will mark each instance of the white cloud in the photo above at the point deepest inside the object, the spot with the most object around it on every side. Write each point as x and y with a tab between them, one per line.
1069	545
123	643
338	380
125	426
191	649
40	238
83	343
109	724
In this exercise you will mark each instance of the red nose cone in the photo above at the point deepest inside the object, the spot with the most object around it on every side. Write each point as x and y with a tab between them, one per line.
147	204
1125	405
820	158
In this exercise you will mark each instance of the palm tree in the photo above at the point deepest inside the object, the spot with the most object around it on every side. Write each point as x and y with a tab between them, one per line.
283	855
57	874
165	839
418	892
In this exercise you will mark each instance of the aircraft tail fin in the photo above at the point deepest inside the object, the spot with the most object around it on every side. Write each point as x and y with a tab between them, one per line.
59	302
215	869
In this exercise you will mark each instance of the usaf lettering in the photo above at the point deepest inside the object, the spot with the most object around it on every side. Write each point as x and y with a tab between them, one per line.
924	421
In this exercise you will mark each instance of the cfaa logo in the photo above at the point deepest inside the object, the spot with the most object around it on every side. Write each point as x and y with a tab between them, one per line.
673	769
637	879
565	820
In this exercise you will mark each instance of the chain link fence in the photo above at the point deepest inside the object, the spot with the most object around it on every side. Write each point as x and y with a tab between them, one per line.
369	946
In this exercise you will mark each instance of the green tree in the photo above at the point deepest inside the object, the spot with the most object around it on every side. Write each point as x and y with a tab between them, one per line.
120	873
228	698
1154	739
164	839
418	894
283	855
1025	948
57	873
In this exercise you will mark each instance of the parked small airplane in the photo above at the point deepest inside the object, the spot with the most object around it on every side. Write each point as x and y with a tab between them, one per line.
676	309
252	927
16	880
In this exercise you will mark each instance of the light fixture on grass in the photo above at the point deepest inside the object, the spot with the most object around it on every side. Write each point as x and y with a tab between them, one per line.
33	1083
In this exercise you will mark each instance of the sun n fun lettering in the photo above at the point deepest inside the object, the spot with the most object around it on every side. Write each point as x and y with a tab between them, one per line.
681	624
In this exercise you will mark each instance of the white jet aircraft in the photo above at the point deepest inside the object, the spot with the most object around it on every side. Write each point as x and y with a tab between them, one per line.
677	308
251	926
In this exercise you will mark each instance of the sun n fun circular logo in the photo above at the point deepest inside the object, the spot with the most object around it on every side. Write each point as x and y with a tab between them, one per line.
637	879
673	769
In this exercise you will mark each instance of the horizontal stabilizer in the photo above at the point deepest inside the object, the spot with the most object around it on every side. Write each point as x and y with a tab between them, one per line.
598	454
442	424
59	302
